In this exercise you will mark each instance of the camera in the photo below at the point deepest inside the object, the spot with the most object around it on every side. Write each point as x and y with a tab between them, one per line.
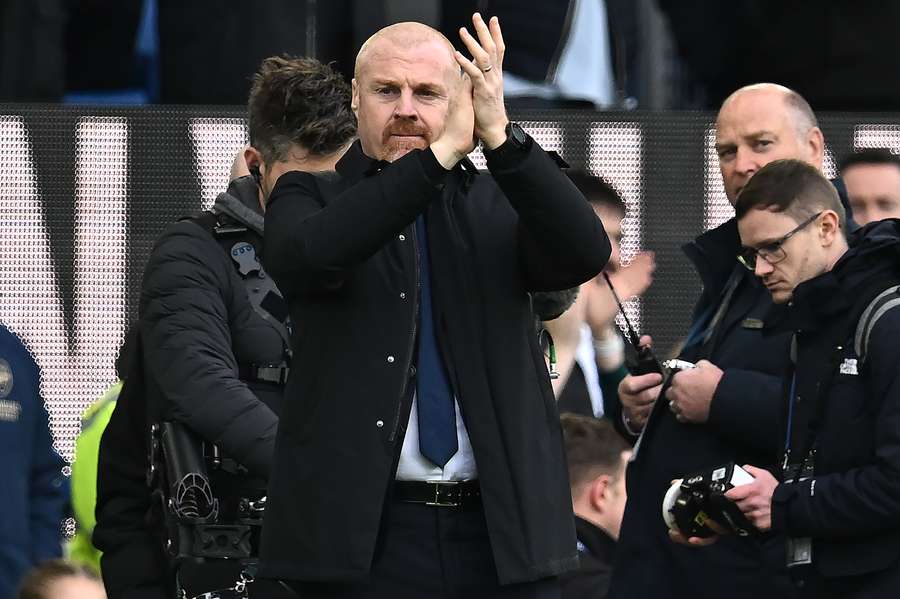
691	503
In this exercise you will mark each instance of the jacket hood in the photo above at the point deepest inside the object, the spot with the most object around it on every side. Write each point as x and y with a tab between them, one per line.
873	256
241	202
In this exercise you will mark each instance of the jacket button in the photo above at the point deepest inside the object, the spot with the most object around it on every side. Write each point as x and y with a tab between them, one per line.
390	359
379	423
401	237
412	371
402	295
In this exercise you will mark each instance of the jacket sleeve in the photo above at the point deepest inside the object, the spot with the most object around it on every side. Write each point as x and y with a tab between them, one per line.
310	245
865	499
132	562
188	348
48	496
744	407
562	243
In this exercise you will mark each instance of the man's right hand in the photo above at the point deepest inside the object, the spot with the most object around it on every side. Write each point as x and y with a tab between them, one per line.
638	394
458	137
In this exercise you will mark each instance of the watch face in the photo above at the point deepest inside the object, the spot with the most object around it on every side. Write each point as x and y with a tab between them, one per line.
517	134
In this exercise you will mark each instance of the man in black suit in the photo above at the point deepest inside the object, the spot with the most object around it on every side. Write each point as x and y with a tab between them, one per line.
837	495
419	453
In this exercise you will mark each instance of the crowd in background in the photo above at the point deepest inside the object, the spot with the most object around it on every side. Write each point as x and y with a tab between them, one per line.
650	54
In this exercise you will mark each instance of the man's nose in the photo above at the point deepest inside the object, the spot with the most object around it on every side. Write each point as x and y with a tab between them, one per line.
615	255
746	162
406	107
762	267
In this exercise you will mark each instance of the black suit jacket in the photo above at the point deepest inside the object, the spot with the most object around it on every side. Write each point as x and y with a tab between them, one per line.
343	250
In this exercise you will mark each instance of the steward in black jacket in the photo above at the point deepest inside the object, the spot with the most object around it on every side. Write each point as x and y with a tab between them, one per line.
344	253
212	353
850	506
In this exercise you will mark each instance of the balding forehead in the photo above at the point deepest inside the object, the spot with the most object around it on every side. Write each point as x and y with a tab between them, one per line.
397	38
796	108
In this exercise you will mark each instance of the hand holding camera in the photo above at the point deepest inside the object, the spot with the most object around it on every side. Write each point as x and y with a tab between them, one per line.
697	509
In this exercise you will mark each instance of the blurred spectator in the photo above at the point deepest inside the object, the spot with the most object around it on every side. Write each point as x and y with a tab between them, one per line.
32	60
597	456
836	54
589	348
59	579
872	179
84	468
562	54
34	492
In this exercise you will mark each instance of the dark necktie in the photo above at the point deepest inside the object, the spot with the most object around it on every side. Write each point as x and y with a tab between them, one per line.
437	411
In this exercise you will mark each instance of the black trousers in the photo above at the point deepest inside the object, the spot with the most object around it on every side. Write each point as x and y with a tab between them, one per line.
427	552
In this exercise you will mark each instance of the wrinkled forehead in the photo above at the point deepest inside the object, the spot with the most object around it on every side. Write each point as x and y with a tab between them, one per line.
754	113
427	60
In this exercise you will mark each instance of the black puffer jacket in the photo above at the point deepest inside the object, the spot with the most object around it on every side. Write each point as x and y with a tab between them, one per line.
199	333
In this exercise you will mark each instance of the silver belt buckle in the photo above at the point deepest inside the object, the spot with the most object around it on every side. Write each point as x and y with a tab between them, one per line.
437	493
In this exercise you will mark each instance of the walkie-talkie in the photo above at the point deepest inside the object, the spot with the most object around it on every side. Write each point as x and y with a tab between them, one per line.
644	360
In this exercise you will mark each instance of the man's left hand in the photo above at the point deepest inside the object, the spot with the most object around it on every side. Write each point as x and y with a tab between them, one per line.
755	499
692	391
486	72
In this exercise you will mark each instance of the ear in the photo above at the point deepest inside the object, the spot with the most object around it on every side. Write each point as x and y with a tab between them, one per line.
830	227
815	141
354	97
252	157
598	492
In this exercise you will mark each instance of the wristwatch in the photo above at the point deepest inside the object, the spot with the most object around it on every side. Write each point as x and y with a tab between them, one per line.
515	135
516	141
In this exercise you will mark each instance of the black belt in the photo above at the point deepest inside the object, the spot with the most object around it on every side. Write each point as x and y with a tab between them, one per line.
441	493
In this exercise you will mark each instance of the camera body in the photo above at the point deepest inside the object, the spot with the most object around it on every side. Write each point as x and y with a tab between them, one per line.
691	503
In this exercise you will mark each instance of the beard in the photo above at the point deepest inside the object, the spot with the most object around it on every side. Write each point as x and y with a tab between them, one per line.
399	139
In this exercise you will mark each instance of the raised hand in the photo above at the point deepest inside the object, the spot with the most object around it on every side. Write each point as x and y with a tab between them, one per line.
457	139
486	72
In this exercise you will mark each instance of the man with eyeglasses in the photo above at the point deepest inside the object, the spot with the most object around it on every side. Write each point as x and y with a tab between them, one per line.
728	407
836	494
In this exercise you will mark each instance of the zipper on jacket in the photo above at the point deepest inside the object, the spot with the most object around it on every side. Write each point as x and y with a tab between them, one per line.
412	337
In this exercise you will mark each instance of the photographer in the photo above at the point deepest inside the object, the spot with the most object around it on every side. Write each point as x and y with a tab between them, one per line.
838	499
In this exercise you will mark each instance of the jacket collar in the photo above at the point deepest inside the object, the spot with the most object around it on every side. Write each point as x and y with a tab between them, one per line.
355	165
241	202
595	540
714	254
874	252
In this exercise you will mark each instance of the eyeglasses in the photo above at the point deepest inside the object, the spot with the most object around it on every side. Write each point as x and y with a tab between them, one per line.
772	253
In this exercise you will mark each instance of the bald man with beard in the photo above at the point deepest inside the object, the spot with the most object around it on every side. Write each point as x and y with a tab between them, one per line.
419	453
727	409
